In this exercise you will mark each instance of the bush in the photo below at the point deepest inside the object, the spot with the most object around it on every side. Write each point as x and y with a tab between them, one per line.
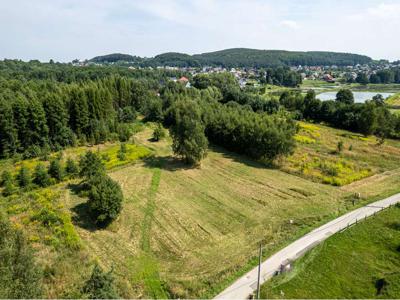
19	276
100	285
122	152
158	133
40	176
71	168
124	132
7	182
24	177
340	146
6	176
105	199
55	170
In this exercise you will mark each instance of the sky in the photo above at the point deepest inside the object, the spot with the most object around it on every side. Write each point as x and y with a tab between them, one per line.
67	29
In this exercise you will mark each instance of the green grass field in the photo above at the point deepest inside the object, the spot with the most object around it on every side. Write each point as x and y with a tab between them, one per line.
189	232
394	100
361	262
317	157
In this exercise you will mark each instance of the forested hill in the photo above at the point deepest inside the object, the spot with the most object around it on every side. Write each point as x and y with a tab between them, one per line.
264	58
242	57
116	57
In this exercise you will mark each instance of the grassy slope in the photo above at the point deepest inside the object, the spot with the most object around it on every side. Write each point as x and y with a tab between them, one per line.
316	157
190	232
198	226
347	265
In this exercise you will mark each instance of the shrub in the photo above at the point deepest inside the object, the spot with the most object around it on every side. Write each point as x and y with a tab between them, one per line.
55	170
158	133
19	276
124	132
24	177
7	182
6	176
71	168
40	176
105	199
100	285
340	146
122	152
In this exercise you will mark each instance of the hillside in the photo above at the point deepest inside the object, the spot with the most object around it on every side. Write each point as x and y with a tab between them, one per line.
362	262
243	57
177	223
116	57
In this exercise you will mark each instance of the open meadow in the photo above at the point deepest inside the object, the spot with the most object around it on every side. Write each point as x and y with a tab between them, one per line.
189	232
339	157
361	262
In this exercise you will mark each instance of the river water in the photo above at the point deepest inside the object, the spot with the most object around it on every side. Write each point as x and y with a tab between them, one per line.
359	97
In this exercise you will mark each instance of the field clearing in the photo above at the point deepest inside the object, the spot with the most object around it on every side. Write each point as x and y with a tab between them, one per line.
189	232
317	157
362	262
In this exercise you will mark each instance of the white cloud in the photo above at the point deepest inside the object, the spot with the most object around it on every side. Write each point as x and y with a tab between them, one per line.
290	24
385	11
67	29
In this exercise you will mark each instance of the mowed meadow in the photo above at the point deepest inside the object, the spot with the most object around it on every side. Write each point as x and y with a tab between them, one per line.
359	263
189	232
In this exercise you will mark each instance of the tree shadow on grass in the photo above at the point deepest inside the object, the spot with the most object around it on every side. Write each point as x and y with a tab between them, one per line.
168	163
241	158
394	225
81	216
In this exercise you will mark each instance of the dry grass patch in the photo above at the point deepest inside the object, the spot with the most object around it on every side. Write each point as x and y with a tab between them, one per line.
317	157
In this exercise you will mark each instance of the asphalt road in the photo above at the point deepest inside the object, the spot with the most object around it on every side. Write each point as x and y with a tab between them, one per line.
247	284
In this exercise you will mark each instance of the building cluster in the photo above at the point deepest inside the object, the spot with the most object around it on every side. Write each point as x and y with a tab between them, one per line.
336	73
252	76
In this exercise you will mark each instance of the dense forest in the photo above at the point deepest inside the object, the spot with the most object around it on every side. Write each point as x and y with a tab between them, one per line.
242	57
116	57
48	107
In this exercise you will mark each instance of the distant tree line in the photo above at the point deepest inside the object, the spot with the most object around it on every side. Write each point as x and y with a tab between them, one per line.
372	117
386	76
241	57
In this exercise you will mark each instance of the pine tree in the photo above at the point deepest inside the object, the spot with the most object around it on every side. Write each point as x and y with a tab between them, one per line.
20	277
37	124
24	177
100	285
91	165
71	168
8	132
105	199
56	170
78	111
40	176
7	182
57	121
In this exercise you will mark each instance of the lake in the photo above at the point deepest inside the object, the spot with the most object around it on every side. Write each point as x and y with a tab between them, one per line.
359	97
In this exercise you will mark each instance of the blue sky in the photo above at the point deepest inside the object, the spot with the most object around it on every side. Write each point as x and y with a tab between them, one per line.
68	29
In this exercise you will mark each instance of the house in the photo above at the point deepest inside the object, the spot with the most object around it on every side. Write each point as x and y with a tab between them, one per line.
328	78
183	79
